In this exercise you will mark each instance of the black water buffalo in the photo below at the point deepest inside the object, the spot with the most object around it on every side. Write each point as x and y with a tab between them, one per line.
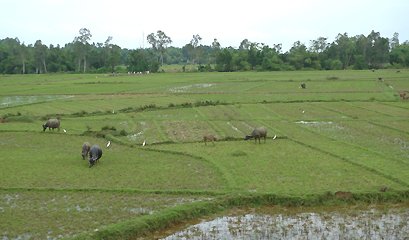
95	153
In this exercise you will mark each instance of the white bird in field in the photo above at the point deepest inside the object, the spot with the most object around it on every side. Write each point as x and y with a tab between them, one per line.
108	144
64	130
275	136
113	111
303	111
144	142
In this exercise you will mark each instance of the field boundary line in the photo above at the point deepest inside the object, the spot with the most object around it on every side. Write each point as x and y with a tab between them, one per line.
225	176
210	122
379	173
370	110
357	146
124	190
390	105
163	136
388	127
337	111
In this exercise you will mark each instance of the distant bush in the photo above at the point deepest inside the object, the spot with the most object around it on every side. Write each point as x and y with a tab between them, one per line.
127	109
80	114
206	103
150	106
186	104
112	128
332	78
17	117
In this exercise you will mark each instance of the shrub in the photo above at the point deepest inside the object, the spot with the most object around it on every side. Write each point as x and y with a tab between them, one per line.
112	128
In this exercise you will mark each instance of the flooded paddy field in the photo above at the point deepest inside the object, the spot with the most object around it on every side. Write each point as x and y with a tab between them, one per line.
372	222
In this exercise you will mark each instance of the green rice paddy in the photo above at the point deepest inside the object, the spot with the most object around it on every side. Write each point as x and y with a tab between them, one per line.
347	131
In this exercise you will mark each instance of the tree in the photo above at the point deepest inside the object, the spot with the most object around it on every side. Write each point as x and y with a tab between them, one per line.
319	45
195	50
40	55
56	62
81	46
254	54
270	59
395	40
215	49
245	44
224	61
112	54
142	60
345	49
377	50
14	56
297	55
399	55
159	43
278	48
24	54
187	51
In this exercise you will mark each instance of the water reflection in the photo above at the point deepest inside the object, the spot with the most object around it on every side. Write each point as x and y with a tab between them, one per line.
370	224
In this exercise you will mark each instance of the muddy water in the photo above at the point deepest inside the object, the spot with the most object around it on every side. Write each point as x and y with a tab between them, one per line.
372	223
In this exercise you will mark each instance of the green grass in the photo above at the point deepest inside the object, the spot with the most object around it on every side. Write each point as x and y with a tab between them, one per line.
55	213
347	131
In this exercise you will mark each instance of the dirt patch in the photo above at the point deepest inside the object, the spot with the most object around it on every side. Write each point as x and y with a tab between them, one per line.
182	131
343	195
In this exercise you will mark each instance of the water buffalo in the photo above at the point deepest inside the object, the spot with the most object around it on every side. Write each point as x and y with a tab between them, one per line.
85	149
95	153
404	95
51	123
258	133
209	138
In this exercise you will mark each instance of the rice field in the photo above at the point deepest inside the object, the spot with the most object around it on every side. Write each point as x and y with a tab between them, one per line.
347	131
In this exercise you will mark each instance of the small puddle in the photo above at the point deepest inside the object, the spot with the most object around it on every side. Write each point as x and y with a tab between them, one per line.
186	88
352	224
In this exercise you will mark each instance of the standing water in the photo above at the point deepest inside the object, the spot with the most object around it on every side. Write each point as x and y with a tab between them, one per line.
362	224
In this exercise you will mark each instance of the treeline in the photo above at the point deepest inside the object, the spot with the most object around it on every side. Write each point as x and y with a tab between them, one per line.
345	52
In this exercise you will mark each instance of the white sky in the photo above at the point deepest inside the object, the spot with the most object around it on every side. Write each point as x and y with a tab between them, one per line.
264	21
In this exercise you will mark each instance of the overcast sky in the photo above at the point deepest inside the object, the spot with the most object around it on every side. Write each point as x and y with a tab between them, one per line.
263	21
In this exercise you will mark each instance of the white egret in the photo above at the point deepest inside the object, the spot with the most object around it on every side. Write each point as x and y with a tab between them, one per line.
108	144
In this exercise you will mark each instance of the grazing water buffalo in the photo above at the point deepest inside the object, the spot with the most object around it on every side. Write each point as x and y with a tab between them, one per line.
260	132
209	138
95	153
404	95
51	123
85	149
